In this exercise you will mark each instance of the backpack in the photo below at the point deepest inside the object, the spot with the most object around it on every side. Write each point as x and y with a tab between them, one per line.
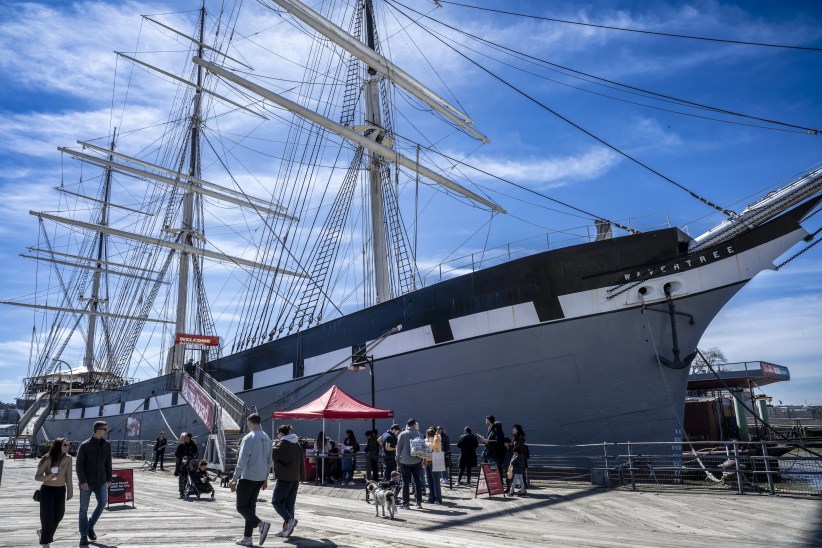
419	448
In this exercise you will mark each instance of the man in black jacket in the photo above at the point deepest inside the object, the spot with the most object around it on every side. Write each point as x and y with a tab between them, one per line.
94	476
159	451
289	471
187	449
494	444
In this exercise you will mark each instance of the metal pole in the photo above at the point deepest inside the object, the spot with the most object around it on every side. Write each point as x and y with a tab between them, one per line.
767	467
631	467
373	404
739	488
605	450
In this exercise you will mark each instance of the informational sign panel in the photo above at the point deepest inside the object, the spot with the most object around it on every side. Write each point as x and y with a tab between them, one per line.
489	481
133	427
205	340
20	453
198	400
121	490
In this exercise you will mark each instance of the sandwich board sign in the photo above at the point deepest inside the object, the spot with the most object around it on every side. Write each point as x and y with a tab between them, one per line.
121	490
489	481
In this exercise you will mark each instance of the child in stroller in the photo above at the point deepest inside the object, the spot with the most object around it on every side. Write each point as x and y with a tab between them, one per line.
199	482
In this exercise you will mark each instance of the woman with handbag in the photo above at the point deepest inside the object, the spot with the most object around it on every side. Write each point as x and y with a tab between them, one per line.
54	471
436	458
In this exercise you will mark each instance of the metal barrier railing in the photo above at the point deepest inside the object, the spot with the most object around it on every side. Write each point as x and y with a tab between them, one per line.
785	467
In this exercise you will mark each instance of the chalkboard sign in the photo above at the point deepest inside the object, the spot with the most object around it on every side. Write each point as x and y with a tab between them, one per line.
489	481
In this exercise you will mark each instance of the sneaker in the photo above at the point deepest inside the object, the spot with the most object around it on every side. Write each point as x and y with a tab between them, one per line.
292	523
92	535
351	483
419	505
264	527
280	533
245	541
404	506
83	541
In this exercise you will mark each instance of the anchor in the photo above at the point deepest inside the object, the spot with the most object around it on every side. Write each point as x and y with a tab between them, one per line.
677	362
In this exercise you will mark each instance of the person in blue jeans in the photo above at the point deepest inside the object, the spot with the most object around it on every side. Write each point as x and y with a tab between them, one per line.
289	471
94	476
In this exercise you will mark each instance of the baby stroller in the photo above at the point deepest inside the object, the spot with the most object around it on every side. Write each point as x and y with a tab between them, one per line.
198	482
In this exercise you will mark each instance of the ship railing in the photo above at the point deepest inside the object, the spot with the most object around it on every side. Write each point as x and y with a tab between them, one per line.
768	467
470	262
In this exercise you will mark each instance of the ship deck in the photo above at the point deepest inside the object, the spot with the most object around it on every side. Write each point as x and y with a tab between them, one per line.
334	516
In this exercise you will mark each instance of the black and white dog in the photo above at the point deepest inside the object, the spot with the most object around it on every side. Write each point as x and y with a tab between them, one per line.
370	487
385	497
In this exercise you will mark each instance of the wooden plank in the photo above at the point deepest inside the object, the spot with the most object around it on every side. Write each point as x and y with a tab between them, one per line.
331	515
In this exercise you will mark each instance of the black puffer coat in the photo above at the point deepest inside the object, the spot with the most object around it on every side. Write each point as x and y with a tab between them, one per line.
468	450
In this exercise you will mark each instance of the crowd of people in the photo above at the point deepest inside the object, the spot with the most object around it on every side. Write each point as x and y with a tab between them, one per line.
411	462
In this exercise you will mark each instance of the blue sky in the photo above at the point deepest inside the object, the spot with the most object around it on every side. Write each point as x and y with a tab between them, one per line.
59	86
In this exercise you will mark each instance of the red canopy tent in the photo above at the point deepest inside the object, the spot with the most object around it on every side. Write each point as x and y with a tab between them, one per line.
334	404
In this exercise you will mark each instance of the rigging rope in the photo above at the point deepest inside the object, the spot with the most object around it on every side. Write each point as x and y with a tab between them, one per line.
653	94
808	238
577	126
639	31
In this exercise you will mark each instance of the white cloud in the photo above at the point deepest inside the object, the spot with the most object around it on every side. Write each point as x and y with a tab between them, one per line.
550	172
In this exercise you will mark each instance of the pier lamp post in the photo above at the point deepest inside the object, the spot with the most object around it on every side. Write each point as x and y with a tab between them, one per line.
358	363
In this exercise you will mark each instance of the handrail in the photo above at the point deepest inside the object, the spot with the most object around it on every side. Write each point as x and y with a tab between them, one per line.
41	420
30	412
222	450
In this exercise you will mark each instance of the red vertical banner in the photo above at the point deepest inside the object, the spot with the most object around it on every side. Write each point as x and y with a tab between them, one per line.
198	400
121	490
489	481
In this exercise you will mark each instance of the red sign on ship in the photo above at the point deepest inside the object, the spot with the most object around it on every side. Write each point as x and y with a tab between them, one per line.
205	340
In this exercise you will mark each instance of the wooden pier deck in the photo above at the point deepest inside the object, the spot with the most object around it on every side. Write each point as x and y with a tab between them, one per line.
334	516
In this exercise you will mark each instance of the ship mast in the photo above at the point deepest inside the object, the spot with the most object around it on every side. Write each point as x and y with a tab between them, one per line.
373	117
102	258
187	232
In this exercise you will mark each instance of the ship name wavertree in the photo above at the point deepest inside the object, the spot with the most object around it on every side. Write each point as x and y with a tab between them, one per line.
692	261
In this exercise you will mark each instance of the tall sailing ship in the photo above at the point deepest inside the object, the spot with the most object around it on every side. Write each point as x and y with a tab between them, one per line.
580	344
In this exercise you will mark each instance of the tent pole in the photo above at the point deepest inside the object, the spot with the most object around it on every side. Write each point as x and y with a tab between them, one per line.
322	480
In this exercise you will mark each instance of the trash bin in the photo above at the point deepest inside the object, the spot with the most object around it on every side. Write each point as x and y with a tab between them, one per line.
310	469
